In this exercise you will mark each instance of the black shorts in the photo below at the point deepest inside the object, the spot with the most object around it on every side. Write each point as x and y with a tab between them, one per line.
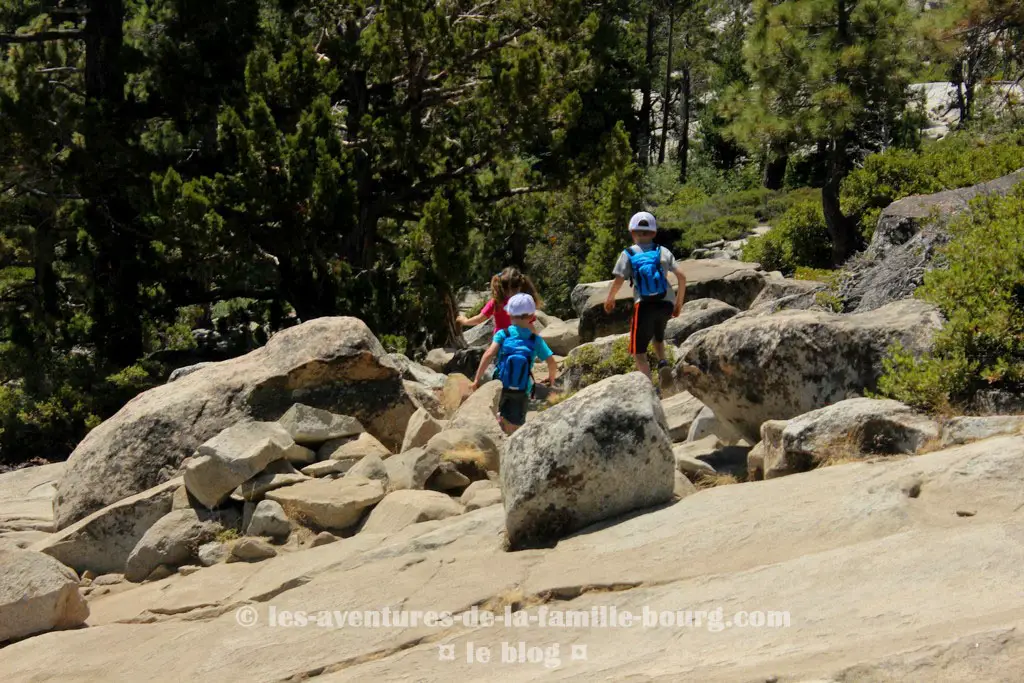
649	321
513	406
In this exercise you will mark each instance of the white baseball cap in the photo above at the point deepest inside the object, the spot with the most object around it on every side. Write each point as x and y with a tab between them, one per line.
643	221
521	304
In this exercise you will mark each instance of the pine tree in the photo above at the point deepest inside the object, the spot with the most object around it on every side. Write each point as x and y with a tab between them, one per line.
832	73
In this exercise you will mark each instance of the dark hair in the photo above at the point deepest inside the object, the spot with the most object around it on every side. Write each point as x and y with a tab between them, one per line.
510	281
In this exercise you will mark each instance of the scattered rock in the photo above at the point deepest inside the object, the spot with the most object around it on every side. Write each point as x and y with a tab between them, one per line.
481	335
733	282
188	569
278	474
754	369
687	460
447	478
103	541
910	486
479	412
599	454
329	363
414	372
962	430
399	509
483	499
427	399
174	540
849	429
696	316
562	336
370	467
108	580
300	455
412	469
966	513
323	538
327	467
705	424
212	553
327	503
160	573
680	412
777	288
437	359
37	594
422	426
474	453
251	550
464	361
582	360
455	391
312	426
232	457
755	462
269	519
353	449
476	488
681	486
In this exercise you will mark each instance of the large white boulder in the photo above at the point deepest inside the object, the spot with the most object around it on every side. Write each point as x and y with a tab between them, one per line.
330	363
37	594
599	454
752	369
850	429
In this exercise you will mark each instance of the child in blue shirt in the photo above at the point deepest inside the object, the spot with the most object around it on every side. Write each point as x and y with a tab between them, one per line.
516	348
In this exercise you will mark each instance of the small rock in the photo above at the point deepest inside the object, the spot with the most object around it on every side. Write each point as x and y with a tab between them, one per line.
313	426
323	538
88	575
326	468
422	426
251	550
370	467
682	486
474	453
966	513
300	455
411	469
160	573
352	449
475	488
187	569
212	553
483	499
328	504
232	457
402	508
455	391
108	580
447	478
277	475
268	519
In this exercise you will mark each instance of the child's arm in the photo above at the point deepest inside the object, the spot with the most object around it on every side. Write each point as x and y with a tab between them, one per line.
491	351
680	291
470	322
609	303
552	370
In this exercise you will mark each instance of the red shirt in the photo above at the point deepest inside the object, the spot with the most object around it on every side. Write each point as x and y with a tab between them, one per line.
501	316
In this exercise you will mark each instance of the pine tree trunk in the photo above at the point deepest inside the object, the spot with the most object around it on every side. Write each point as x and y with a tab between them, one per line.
841	229
774	172
684	124
668	81
644	146
452	329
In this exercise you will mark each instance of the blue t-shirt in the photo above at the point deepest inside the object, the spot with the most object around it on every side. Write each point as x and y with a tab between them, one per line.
541	350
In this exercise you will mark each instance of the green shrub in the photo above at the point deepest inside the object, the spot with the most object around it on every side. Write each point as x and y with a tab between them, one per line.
959	160
981	293
394	343
798	238
595	367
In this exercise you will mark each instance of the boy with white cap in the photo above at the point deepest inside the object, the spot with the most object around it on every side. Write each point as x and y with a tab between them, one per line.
517	348
647	265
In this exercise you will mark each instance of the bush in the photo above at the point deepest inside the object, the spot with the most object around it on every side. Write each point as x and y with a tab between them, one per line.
981	293
959	160
799	238
595	367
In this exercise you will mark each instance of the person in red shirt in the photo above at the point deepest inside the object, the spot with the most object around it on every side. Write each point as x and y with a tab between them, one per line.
504	285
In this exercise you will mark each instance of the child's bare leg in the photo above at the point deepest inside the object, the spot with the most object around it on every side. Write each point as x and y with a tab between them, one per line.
659	349
641	363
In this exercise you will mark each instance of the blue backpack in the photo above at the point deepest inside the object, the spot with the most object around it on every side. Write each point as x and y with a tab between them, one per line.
515	362
648	280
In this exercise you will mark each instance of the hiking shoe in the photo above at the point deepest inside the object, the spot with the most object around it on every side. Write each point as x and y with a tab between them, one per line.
665	379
